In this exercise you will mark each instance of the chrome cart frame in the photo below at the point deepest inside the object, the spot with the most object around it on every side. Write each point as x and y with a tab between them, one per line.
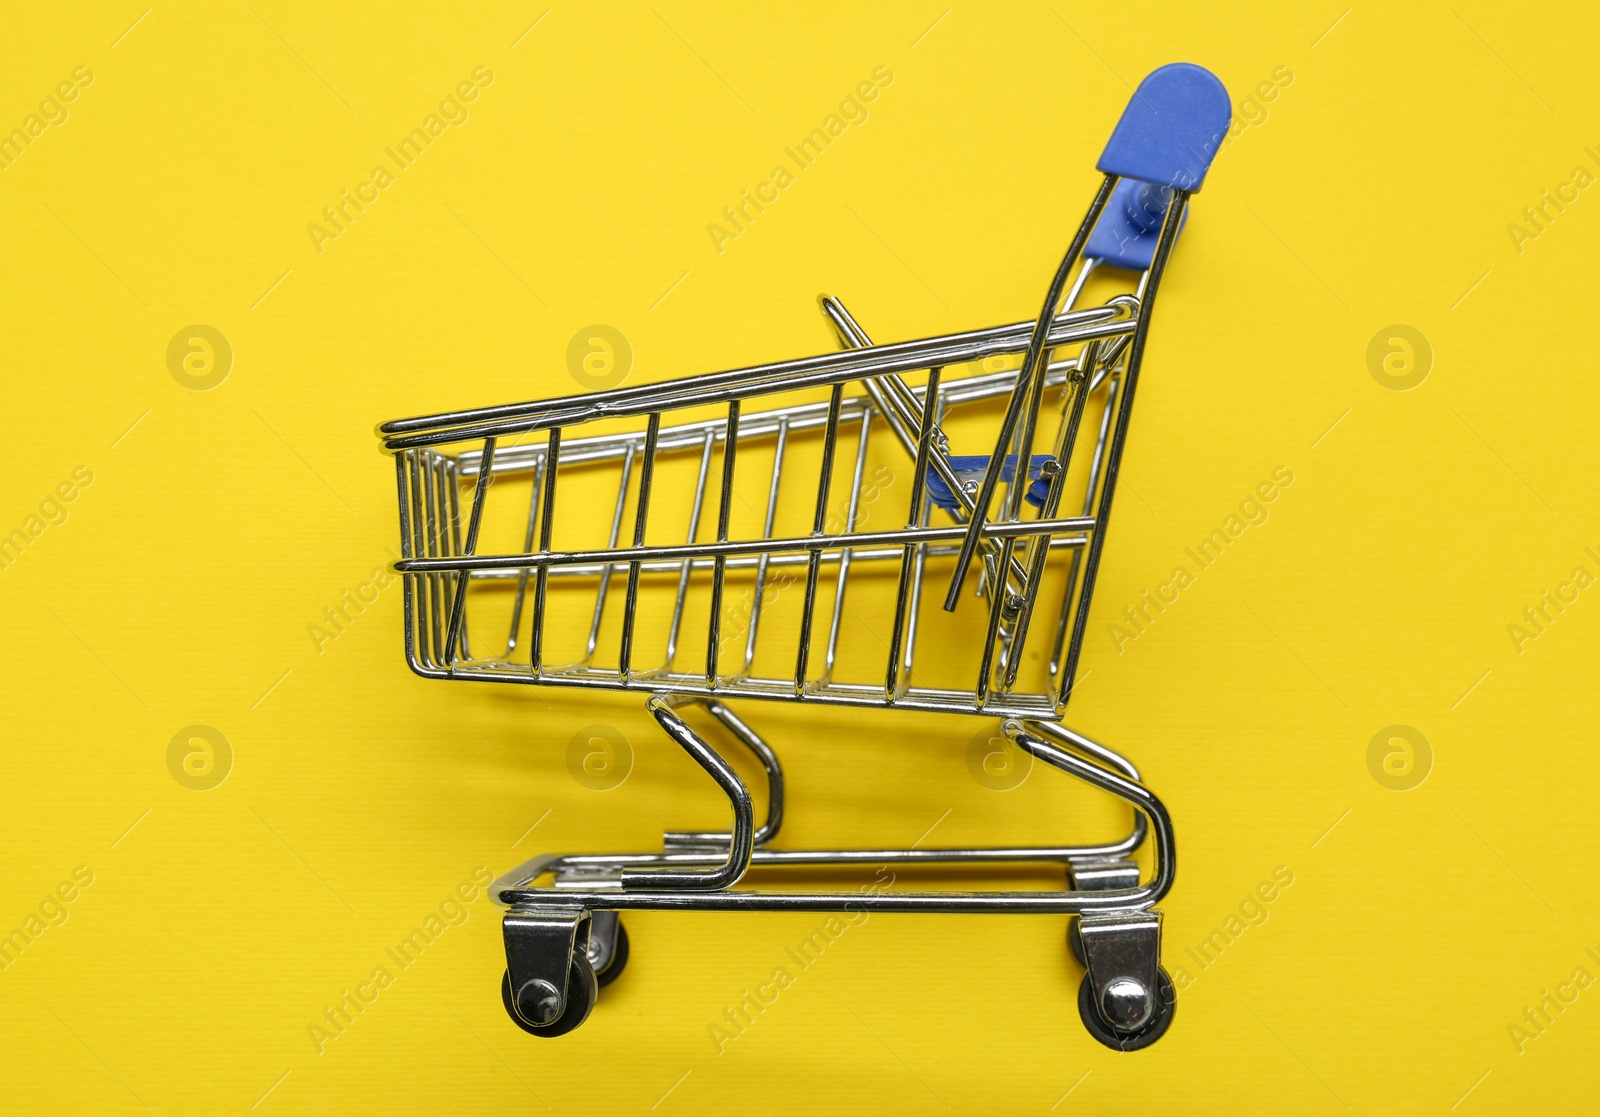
1001	513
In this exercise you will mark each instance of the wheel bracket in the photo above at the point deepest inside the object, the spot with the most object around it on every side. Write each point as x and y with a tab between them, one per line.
1122	951
540	942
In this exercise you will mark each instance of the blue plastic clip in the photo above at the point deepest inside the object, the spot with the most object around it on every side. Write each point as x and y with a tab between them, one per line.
1171	129
970	467
1129	226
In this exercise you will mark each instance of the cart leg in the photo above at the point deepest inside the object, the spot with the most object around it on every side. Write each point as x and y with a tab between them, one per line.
762	751
1126	1000
740	840
549	986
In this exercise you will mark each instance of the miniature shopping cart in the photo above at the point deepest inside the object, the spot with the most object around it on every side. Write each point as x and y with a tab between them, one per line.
707	539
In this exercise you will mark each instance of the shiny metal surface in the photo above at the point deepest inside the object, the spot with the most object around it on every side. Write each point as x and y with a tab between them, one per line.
540	942
1121	952
765	469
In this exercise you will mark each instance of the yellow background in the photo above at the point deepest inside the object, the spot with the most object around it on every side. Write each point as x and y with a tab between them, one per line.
1377	190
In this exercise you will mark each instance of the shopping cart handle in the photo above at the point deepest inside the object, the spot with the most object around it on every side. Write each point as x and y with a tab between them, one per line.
1171	129
971	467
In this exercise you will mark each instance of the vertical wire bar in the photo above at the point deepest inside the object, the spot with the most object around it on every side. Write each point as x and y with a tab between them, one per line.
1011	505
890	393
1097	540
930	404
1089	491
418	547
996	608
1038	552
435	592
447	585
1014	496
819	524
844	556
605	571
730	445
406	580
900	413
688	563
552	456
761	561
458	612
1032	366
527	547
917	571
453	489
646	473
1021	476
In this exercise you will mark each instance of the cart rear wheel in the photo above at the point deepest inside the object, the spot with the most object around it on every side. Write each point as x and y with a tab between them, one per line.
1166	1006
619	958
582	992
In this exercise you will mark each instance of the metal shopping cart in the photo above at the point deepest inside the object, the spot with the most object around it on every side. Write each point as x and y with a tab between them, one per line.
737	540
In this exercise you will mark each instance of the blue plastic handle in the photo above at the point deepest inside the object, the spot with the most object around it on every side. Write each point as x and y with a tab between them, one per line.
1129	226
1171	129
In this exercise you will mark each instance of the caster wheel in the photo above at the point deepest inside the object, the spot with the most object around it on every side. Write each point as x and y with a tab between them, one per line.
619	959
582	991
1075	941
1166	1007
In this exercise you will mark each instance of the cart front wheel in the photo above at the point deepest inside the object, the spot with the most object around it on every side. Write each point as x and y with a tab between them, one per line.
619	958
1166	1006
582	992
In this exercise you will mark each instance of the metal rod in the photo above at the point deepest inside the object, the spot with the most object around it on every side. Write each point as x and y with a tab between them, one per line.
611	546
724	387
742	841
847	553
1039	548
765	557
1002	531
688	564
527	545
819	526
730	447
630	606
1031	368
458	612
1091	565
891	683
553	460
1089	491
